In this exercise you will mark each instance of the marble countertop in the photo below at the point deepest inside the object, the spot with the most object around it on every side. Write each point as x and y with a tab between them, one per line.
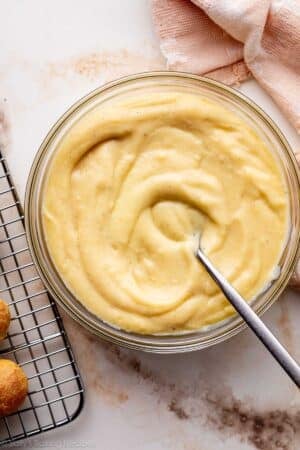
229	397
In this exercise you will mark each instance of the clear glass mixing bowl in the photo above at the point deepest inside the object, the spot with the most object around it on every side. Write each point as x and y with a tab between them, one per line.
150	82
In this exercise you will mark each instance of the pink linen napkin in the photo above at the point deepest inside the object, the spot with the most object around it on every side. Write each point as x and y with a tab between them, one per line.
230	40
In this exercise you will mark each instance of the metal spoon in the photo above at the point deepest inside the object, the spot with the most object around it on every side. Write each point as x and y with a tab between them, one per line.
251	318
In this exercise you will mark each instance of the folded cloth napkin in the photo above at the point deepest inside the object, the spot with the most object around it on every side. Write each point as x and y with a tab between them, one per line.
230	40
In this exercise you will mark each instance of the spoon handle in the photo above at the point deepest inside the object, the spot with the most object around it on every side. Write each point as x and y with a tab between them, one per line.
251	318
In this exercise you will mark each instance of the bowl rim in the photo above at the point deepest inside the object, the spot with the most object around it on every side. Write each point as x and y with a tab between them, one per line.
237	322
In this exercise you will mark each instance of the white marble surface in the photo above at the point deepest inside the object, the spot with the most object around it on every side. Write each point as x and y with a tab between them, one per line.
232	396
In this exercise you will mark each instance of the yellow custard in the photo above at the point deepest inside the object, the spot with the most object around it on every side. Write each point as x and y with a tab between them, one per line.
131	185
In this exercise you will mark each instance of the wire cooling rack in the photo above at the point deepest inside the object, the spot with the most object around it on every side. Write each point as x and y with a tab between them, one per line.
37	340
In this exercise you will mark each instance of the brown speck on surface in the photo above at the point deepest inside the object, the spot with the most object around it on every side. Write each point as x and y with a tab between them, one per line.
268	430
135	364
130	363
178	410
4	129
285	325
108	391
101	66
243	418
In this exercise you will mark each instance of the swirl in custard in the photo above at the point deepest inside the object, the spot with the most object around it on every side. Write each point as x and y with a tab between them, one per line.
130	186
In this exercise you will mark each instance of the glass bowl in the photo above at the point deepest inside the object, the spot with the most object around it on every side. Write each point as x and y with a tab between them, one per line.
150	82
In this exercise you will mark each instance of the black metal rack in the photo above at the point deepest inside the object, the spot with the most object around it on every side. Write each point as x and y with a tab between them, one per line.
37	340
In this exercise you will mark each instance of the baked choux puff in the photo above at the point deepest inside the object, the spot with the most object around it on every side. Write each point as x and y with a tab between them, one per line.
4	319
13	387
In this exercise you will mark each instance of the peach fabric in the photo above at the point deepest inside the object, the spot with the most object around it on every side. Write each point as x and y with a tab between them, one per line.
230	40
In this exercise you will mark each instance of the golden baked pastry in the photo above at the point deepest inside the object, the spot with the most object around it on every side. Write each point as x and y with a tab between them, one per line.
4	319
13	387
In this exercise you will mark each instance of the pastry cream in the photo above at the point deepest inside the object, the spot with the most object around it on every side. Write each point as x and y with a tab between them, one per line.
130	186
